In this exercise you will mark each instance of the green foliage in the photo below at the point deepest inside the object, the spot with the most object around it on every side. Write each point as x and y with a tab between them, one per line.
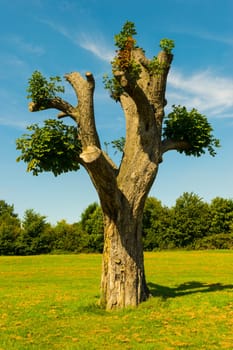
215	241
54	147
167	45
193	128
6	209
128	30
156	67
190	220
155	223
9	228
117	144
69	238
40	90
222	215
123	62
113	86
190	224
36	235
92	223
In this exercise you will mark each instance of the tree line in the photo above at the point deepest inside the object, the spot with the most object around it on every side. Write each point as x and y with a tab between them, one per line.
190	224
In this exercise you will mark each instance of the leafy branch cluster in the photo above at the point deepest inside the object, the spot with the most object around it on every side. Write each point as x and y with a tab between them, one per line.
191	127
167	45
113	86
181	125
54	147
123	61
156	67
40	90
128	31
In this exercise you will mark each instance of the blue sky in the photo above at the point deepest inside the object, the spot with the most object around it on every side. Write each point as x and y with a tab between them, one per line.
59	36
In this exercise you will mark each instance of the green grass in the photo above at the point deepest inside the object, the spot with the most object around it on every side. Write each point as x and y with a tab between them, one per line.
50	302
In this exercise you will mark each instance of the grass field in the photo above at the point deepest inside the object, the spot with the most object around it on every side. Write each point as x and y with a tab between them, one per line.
50	302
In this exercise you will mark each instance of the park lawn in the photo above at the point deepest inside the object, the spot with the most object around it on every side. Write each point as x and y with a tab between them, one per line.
50	302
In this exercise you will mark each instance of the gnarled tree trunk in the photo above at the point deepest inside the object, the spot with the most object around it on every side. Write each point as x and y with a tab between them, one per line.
123	280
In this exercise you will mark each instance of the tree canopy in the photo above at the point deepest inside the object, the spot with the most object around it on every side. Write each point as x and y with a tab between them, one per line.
56	147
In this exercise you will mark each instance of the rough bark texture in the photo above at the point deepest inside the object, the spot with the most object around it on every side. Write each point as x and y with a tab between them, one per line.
122	191
123	279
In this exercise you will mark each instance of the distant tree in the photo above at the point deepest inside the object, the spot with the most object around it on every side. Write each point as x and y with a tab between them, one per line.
69	237
92	223
139	84
221	215
35	237
190	220
9	228
7	209
156	221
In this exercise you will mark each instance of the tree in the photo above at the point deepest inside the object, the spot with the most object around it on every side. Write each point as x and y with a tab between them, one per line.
156	222
190	220
92	224
221	210
9	228
139	85
35	237
69	237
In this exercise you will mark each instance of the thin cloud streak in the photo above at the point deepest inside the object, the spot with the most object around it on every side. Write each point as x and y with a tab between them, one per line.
17	124
205	35
205	91
94	44
23	45
215	37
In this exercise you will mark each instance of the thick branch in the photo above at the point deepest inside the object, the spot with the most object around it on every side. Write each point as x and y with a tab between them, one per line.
103	173
169	145
158	83
84	112
57	103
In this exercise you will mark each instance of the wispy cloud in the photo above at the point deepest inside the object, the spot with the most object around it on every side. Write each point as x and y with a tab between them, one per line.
18	124
204	90
216	37
93	43
13	66
96	45
206	35
23	45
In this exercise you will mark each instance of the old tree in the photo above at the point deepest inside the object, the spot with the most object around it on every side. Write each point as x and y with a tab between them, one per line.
139	85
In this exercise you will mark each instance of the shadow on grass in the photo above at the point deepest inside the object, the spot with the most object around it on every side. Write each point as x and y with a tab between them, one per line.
187	288
165	293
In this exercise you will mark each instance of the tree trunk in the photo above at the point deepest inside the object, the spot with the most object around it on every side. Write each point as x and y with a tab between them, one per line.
123	280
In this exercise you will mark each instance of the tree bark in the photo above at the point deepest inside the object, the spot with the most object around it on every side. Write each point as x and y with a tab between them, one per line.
123	281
